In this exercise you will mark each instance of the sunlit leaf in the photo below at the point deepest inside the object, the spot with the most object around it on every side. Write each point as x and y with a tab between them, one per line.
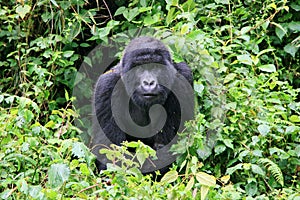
198	88
190	184
229	77
268	68
263	129
204	191
206	179
170	177
23	10
225	178
58	174
295	118
184	29
245	59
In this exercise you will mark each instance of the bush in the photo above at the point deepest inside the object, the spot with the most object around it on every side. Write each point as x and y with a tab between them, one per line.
243	143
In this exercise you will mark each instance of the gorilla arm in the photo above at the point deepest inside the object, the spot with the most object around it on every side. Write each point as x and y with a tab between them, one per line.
103	121
185	71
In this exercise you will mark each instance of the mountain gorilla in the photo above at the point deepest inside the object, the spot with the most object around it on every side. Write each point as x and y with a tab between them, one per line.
145	97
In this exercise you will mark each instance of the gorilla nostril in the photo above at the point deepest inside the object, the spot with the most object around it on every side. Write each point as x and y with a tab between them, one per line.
152	83
149	86
149	83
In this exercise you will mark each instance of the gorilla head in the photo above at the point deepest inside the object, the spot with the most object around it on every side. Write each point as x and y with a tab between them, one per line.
147	72
145	97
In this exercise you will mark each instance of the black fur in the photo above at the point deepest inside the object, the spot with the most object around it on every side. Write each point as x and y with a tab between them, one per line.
140	52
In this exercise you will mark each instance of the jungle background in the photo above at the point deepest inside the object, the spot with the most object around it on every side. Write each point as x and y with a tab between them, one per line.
243	144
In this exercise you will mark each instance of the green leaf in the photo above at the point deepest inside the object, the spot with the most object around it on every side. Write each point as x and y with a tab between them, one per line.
280	33
172	2
120	11
84	169
265	25
143	3
294	26
274	169
198	88
295	6
68	54
67	95
257	169
264	51
141	157
263	129
190	184
268	68
279	30
291	49
297	150
231	170
58	174
204	191
231	105
28	115
88	61
54	3
228	143
295	118
23	10
78	149
206	179
229	77
245	59
144	9
50	124
184	29
170	17
24	186
219	149
170	177
245	29
251	188
35	191
149	20
226	2
130	14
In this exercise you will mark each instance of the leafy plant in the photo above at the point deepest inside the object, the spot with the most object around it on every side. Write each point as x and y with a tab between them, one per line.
245	60
274	169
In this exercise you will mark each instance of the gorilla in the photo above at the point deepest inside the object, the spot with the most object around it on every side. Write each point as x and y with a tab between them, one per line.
145	97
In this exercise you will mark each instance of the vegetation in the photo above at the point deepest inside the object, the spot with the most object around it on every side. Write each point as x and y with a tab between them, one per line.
243	144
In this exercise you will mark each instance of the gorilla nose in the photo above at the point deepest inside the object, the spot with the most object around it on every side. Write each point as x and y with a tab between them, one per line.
149	86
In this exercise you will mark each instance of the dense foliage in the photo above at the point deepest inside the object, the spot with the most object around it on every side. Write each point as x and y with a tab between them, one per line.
243	144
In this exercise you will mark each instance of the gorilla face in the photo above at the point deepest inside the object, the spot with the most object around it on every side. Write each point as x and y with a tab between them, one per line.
149	84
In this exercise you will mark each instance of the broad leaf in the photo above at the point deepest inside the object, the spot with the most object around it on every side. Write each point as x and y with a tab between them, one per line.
58	174
23	10
267	68
291	49
170	177
206	179
263	129
245	59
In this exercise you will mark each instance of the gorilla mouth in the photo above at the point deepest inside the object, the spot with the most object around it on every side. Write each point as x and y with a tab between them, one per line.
150	95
